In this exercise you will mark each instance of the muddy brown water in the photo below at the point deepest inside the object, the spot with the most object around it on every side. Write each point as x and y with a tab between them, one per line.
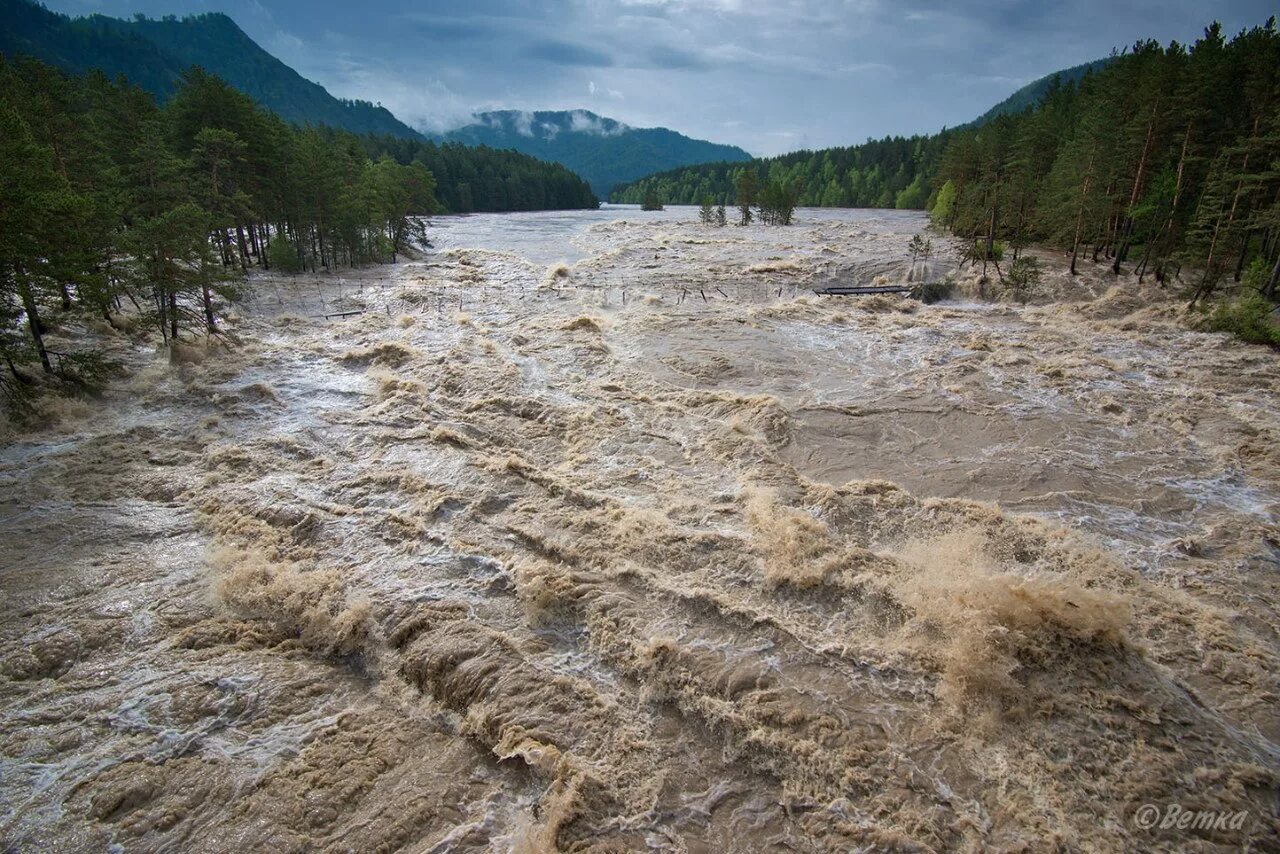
596	532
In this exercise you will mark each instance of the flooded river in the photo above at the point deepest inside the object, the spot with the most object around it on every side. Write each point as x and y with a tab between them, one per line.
600	531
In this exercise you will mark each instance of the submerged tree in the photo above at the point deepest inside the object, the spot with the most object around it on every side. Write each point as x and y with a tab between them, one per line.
919	247
777	203
1023	278
746	186
707	212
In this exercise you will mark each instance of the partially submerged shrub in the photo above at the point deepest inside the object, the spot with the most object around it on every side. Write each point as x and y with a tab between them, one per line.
282	255
1022	278
1250	317
977	251
29	395
87	370
931	292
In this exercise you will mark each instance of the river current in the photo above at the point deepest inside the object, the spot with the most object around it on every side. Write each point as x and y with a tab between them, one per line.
600	531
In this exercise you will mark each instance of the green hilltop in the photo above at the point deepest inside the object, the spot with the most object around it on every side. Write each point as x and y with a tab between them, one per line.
153	54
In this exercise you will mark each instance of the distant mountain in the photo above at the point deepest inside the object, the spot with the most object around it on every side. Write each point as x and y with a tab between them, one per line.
601	150
154	53
1030	95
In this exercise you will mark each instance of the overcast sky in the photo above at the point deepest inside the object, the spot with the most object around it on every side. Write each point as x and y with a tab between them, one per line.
770	76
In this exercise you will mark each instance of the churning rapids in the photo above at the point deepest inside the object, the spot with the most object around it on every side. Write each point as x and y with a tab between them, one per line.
599	531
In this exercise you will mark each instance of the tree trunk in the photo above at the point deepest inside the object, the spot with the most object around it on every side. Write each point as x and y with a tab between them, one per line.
173	315
1231	215
162	311
1136	191
18	375
1155	245
991	232
1022	221
244	249
1205	282
33	316
1141	269
1084	191
208	308
1270	290
1244	251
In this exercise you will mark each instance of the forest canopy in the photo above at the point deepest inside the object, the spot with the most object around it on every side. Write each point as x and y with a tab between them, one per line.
154	54
1168	157
112	202
886	173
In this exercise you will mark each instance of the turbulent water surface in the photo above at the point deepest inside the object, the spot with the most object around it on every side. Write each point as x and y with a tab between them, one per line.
599	531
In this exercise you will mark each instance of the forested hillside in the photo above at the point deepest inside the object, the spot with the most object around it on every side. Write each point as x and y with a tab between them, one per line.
601	150
111	200
479	178
1033	93
886	173
153	54
1169	156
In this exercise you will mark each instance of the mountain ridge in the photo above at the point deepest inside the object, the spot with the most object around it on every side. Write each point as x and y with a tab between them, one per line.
153	53
1030	94
604	151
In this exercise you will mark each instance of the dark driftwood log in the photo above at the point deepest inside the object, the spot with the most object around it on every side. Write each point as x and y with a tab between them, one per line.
840	290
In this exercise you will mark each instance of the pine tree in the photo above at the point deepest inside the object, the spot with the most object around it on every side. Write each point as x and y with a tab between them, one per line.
747	186
35	202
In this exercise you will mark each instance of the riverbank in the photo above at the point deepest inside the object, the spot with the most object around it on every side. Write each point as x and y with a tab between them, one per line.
653	548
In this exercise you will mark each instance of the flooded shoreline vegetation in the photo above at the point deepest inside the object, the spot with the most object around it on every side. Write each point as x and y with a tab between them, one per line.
132	213
1159	159
1161	165
146	217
